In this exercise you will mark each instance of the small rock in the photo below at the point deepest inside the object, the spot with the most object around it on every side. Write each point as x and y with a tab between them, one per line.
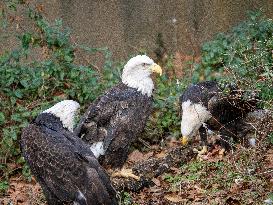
258	114
252	142
238	181
250	171
268	201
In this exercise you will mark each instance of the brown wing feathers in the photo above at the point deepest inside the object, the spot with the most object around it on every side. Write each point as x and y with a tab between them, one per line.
67	171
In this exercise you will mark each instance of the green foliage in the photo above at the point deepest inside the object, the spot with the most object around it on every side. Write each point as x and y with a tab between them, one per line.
166	103
125	198
172	179
270	137
205	174
165	120
3	186
243	56
2	118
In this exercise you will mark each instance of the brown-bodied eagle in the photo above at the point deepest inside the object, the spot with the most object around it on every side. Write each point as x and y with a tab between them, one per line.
115	119
62	163
204	106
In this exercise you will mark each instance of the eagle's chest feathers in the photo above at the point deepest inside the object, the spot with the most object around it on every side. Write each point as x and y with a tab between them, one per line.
143	84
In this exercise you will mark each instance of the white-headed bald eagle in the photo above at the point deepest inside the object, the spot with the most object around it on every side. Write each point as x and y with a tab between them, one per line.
205	106
62	163
115	119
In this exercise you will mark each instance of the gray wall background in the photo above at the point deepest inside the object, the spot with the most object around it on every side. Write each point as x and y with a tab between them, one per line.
130	26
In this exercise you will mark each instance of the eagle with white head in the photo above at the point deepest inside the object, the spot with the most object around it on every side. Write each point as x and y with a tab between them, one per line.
115	119
204	106
62	163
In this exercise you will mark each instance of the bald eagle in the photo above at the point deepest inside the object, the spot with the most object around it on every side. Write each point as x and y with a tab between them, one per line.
62	163
115	119
204	106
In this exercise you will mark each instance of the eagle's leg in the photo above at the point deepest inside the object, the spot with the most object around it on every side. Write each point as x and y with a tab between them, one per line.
204	140
224	145
226	134
126	173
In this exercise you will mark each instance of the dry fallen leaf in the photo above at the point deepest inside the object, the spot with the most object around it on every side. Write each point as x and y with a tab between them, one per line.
271	181
22	192
161	154
135	156
173	198
148	155
154	189
175	170
173	142
156	181
269	158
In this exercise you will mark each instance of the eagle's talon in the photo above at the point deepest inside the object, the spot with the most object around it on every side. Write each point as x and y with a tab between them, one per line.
126	173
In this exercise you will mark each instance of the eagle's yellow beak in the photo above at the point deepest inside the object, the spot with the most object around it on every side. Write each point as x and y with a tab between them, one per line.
156	69
184	140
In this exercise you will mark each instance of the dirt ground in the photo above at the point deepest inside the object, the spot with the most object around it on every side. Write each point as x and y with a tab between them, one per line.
243	176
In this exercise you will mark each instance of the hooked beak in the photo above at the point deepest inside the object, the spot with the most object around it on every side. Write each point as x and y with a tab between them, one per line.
184	140
156	69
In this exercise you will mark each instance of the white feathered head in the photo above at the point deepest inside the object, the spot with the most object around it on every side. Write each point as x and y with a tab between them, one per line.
66	110
193	116
137	71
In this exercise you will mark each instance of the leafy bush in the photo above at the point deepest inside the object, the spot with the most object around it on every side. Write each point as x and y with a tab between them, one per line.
165	119
242	56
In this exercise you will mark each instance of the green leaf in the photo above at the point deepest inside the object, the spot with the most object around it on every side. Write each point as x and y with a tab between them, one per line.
18	93
270	137
16	117
24	83
26	172
4	185
68	58
16	55
2	118
21	160
12	101
26	40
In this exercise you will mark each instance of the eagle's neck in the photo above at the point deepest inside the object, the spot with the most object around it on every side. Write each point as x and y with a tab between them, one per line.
50	121
141	81
66	116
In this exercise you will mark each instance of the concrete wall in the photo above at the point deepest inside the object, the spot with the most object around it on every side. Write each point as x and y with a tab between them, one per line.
130	26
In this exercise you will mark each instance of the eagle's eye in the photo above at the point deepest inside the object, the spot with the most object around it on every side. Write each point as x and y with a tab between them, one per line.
144	64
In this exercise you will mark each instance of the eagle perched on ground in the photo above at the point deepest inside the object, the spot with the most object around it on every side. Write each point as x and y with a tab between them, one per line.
204	106
62	163
115	119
